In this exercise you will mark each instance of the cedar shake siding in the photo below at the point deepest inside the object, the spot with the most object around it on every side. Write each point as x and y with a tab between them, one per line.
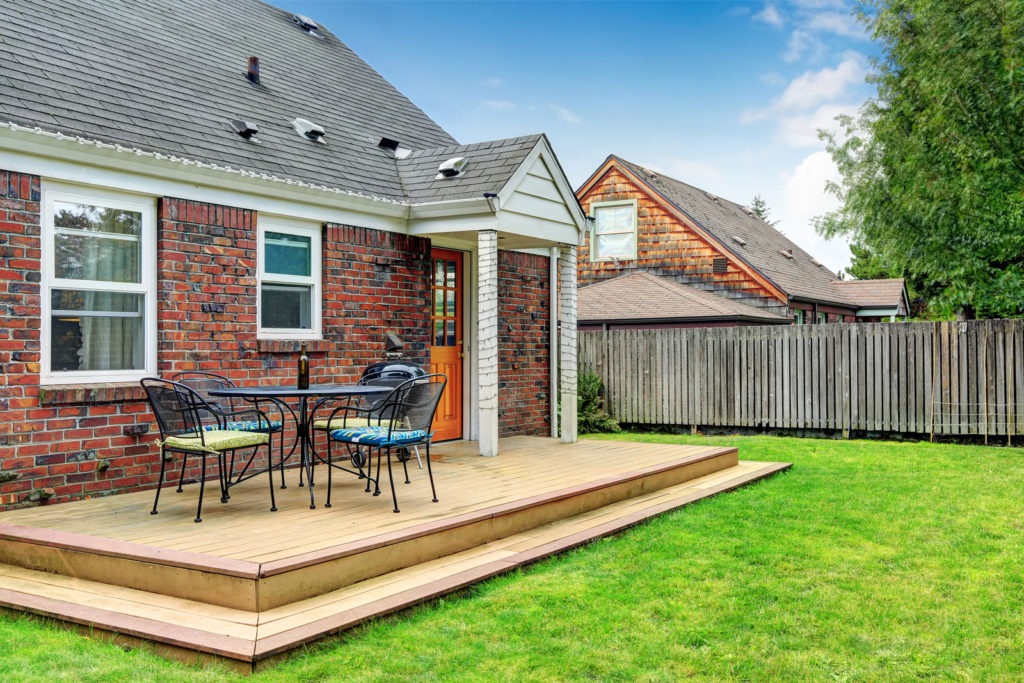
668	246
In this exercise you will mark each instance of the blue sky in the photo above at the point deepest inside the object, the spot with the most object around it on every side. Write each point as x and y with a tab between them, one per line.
722	95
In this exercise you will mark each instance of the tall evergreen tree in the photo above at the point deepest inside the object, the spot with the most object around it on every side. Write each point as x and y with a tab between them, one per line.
932	170
760	208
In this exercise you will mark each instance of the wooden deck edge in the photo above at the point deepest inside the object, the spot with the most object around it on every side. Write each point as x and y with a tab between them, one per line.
181	637
336	552
127	550
287	640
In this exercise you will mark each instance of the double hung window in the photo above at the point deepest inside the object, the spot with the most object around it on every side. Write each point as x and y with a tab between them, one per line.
614	230
98	286
289	280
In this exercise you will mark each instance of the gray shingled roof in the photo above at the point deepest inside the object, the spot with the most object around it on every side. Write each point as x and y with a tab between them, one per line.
168	76
874	293
800	276
489	166
643	296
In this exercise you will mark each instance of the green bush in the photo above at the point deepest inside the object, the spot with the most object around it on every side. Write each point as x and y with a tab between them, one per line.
590	414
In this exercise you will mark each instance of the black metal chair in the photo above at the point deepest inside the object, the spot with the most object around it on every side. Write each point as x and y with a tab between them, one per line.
179	412
228	414
405	419
348	413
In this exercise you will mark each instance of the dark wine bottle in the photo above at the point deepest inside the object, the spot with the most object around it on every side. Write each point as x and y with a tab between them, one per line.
303	368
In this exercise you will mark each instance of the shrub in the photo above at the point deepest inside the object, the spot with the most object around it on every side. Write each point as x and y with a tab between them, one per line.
590	414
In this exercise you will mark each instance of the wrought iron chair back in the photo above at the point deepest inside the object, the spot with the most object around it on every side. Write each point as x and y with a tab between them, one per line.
177	408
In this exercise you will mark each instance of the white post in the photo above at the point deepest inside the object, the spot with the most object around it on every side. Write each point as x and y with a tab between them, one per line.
487	340
553	388
567	335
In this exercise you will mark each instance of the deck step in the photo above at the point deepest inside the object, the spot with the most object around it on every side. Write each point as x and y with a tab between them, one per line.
247	638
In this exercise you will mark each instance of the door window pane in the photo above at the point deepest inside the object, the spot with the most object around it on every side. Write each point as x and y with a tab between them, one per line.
286	307
438	302
438	333
96	330
439	273
451	333
287	254
451	274
450	308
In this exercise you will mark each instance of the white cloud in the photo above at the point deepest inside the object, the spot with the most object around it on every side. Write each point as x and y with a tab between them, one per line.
813	88
772	78
801	130
839	23
492	82
801	43
769	15
499	104
803	198
565	114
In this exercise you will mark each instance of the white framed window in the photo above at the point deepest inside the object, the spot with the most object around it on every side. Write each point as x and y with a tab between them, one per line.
98	286
614	234
289	279
798	316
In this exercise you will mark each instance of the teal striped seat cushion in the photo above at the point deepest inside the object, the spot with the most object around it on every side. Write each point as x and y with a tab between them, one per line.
377	436
248	426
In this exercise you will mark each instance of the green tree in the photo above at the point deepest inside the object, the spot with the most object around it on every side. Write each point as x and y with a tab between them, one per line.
760	208
932	169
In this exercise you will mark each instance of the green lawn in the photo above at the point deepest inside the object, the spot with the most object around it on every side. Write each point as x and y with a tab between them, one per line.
868	560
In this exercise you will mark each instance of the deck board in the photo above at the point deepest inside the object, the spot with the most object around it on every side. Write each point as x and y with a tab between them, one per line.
537	498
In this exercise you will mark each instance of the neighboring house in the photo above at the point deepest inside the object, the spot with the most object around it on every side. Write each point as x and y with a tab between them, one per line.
641	300
645	221
194	185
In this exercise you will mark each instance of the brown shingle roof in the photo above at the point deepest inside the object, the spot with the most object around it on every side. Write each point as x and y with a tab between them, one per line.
873	293
763	246
643	296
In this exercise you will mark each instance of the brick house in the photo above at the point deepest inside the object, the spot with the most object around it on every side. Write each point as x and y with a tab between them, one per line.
167	208
645	221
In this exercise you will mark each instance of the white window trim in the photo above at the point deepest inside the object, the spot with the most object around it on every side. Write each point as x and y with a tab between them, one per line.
53	192
593	231
315	279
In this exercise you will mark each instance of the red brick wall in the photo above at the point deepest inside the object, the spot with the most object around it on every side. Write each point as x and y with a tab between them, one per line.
524	369
60	443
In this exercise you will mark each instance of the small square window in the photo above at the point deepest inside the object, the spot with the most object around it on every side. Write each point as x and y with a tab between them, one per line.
615	230
289	280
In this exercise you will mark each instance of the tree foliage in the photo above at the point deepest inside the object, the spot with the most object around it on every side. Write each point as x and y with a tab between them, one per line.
760	208
932	169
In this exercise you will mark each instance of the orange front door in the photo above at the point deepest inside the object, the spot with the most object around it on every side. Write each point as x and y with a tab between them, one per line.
446	344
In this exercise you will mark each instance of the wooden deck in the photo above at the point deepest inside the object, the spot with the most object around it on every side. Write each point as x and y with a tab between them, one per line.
248	584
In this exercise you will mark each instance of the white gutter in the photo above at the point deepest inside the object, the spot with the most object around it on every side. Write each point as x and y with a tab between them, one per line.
553	339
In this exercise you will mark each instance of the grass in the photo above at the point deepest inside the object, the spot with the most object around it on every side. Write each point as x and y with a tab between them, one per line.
868	560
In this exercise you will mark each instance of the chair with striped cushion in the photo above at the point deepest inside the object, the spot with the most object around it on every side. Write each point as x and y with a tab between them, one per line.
182	417
236	416
409	411
346	413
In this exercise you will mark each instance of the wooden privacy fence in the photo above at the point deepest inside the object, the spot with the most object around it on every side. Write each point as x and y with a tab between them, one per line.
927	378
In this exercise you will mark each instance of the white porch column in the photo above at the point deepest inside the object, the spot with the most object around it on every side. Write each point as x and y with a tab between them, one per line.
487	340
567	343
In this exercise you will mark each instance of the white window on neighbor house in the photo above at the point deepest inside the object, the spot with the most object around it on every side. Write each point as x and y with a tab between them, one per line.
822	319
798	316
614	230
288	273
98	286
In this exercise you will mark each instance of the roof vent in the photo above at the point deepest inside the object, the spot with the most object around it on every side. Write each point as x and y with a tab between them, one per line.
747	211
650	173
388	143
309	129
253	73
245	129
816	262
305	23
451	168
720	264
788	253
739	240
712	197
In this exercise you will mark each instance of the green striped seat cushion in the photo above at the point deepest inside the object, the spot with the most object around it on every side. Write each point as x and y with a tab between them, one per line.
218	440
248	426
339	423
377	436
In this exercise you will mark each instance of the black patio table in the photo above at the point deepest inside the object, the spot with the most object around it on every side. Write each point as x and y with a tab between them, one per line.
303	433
